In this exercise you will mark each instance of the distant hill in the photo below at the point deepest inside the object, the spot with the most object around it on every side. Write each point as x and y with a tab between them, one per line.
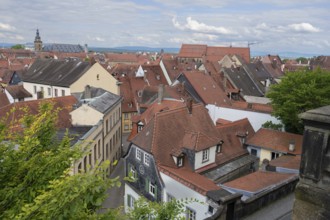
285	55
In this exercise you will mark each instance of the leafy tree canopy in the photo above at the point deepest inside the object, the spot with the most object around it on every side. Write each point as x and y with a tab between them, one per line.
298	92
18	46
35	174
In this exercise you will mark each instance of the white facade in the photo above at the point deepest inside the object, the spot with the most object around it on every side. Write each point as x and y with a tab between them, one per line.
85	115
256	118
48	91
199	162
177	190
129	192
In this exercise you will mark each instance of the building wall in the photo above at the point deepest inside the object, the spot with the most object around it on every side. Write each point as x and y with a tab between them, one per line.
129	191
85	115
180	191
256	118
92	142
144	174
48	90
98	77
199	158
127	121
112	135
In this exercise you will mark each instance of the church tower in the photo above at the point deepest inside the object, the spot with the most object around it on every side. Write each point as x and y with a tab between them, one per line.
37	42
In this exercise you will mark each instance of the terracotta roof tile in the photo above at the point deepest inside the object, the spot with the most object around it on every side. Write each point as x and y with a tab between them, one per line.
192	51
65	103
18	91
286	161
276	141
259	181
3	100
232	145
207	88
190	179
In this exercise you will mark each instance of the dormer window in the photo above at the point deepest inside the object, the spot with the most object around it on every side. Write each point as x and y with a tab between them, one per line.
180	161
140	126
206	154
219	147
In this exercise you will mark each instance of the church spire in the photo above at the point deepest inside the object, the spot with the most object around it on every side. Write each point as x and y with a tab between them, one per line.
37	42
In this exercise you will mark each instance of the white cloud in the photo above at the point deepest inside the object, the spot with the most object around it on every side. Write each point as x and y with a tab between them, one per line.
194	25
304	27
99	39
6	27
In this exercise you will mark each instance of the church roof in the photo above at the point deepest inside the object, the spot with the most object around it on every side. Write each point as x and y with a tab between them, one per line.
64	48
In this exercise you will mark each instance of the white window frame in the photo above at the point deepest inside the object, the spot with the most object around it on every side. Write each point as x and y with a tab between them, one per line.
190	214
219	148
206	155
180	161
138	153
147	159
133	171
152	189
130	201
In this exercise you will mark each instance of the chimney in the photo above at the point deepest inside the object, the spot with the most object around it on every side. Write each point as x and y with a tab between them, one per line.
189	105
88	92
292	146
160	93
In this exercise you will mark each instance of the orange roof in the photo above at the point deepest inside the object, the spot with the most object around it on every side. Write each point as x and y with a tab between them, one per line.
65	103
166	132
193	180
286	161
192	51
276	141
209	91
217	53
232	146
260	180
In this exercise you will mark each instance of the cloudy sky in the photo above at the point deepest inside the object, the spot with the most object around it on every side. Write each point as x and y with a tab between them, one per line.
276	26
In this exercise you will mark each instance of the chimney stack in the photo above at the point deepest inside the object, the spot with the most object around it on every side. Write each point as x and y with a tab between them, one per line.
88	92
160	93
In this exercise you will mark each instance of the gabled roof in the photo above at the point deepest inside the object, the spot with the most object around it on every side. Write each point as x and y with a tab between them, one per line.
276	141
217	53
287	161
206	88
260	181
232	145
66	48
241	80
18	91
104	102
65	103
122	57
166	132
55	72
193	180
192	51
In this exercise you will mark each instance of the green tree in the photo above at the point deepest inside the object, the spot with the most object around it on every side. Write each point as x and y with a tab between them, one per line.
298	92
18	46
144	209
271	125
35	173
302	60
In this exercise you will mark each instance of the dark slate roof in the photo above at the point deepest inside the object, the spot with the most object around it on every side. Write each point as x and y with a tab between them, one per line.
104	102
243	81
259	71
94	92
75	133
55	72
65	48
224	170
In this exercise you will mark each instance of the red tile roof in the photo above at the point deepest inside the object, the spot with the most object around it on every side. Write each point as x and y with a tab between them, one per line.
166	132
209	91
276	141
255	107
192	51
287	161
232	146
18	91
65	103
190	179
217	53
260	180
3	100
